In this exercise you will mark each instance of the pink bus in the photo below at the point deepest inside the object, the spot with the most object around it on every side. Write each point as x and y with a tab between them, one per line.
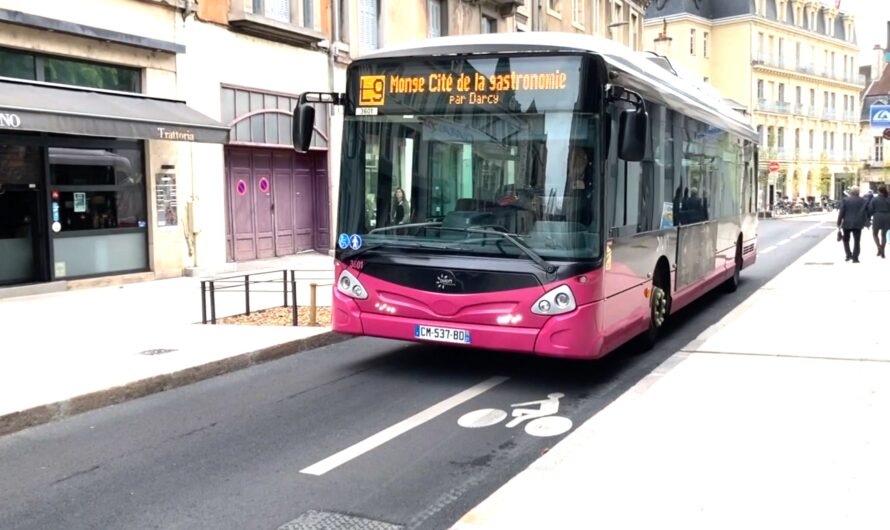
544	193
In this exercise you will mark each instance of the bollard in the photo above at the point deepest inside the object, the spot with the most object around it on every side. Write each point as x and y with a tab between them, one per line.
293	294
312	288
246	294
284	286
203	302
212	302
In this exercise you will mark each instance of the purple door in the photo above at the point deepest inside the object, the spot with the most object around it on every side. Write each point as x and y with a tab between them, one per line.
262	193
241	231
277	202
283	185
322	204
304	219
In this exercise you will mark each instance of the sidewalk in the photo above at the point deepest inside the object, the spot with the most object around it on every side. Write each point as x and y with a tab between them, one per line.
67	352
776	417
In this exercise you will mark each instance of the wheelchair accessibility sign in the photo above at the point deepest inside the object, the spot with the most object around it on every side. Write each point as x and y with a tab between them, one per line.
879	115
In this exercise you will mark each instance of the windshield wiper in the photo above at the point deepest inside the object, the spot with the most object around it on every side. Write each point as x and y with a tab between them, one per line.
545	265
399	227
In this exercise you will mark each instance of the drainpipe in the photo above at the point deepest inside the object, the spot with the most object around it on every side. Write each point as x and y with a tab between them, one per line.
332	52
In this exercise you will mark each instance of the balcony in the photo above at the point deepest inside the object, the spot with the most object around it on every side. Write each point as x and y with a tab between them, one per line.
829	114
781	63
272	25
783	107
851	116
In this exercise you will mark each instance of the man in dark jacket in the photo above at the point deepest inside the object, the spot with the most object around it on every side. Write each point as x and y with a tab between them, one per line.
851	217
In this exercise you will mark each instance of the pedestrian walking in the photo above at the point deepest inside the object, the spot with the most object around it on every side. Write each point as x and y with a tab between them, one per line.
879	212
851	218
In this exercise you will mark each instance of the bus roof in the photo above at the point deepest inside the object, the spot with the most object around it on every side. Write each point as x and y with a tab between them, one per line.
644	72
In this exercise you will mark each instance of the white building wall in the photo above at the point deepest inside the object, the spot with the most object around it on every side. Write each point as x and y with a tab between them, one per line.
217	56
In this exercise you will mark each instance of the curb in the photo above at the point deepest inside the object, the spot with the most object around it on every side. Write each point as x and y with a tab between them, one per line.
24	419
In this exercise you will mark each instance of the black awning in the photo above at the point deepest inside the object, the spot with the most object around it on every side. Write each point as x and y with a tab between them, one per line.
28	106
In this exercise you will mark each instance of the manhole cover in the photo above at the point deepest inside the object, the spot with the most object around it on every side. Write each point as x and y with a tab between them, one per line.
156	351
317	520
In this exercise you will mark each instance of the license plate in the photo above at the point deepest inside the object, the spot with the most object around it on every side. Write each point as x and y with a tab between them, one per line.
458	336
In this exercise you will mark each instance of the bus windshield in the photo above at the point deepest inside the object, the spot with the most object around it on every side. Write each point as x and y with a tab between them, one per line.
473	156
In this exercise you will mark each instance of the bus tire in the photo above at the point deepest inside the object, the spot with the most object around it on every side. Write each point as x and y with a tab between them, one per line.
732	283
659	306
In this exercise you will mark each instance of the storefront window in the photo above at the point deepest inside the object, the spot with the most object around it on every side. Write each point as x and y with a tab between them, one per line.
17	64
36	67
98	188
98	210
81	73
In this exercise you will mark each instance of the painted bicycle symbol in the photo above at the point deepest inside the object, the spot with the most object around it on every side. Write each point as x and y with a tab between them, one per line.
541	421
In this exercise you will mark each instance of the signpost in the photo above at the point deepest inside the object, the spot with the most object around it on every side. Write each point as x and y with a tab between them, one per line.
879	116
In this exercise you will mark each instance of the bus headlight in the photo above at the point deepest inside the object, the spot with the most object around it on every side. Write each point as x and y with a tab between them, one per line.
350	286
555	302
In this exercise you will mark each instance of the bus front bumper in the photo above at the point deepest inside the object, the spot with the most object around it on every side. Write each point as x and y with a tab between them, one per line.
572	335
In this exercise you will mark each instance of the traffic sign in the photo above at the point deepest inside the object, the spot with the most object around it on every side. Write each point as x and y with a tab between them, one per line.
879	115
773	166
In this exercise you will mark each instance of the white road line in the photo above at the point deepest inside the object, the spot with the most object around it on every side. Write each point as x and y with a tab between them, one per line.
767	250
376	440
783	242
795	236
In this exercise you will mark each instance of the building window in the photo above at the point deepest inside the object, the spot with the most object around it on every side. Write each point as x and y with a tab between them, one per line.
554	7
812	139
436	27
368	28
760	133
633	31
879	149
308	19
760	89
705	44
64	71
797	138
692	41
781	138
798	96
578	12
489	25
825	140
275	9
781	93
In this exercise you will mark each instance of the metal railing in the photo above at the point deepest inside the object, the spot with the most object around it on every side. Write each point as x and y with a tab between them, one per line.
287	279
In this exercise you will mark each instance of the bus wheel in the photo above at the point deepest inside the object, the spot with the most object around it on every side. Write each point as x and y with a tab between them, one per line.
659	306
732	283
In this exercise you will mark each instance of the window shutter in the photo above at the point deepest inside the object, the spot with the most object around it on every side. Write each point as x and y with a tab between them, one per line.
368	24
278	10
435	22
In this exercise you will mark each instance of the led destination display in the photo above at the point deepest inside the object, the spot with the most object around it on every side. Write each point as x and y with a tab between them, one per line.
551	83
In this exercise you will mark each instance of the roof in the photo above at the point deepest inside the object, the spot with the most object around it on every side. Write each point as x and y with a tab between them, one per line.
635	70
717	9
877	93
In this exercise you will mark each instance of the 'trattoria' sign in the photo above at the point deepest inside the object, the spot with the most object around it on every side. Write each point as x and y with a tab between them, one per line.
168	134
10	120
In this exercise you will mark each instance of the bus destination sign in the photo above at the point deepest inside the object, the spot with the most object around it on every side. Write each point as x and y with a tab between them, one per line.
461	89
551	82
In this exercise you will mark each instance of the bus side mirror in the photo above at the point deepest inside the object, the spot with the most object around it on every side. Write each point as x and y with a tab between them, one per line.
304	122
632	135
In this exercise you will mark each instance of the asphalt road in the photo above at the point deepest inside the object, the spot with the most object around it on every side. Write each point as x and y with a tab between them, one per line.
254	449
